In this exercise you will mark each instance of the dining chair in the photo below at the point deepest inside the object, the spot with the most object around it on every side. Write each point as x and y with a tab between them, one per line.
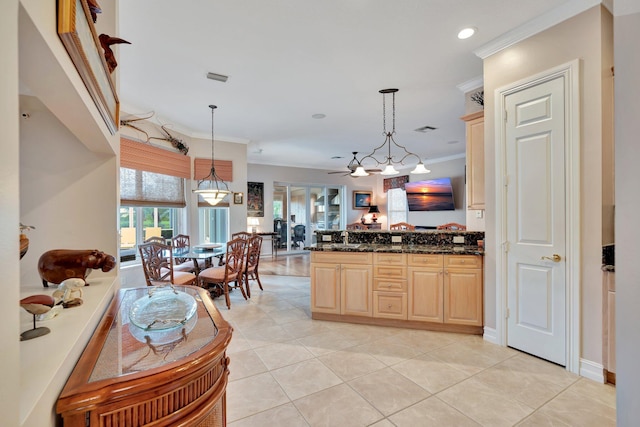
252	260
218	279
451	226
157	265
356	226
402	226
298	235
242	235
182	241
156	239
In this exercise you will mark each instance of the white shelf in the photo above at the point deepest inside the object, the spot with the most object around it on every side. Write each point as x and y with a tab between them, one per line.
47	361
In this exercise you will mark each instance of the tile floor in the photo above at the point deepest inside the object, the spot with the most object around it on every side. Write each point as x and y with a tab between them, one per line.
289	370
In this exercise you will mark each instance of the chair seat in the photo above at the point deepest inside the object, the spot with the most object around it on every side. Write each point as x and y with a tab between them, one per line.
183	278
216	275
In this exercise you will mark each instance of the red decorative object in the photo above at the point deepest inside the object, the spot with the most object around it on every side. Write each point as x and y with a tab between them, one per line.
395	182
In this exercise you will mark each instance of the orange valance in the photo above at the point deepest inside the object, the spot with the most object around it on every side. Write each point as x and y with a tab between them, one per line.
149	158
202	168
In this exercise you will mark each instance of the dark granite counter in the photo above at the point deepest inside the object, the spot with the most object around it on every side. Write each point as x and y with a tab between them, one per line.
408	249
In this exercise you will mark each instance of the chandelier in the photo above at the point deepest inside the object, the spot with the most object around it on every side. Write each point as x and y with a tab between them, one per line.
389	159
212	192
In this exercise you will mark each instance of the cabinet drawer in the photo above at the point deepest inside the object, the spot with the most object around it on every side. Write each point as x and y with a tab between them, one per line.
425	260
391	285
390	259
390	271
390	305
342	257
463	261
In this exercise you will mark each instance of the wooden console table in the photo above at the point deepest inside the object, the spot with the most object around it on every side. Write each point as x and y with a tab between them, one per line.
127	381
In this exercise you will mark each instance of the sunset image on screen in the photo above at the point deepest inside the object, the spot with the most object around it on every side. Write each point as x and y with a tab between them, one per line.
431	195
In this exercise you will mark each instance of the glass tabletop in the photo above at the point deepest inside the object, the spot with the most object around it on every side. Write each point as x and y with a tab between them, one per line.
129	348
197	254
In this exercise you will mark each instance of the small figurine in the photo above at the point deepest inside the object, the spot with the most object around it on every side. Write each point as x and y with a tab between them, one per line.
69	293
60	264
94	9
106	41
36	304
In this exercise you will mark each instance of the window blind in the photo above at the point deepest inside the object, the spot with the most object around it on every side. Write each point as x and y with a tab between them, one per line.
202	168
152	176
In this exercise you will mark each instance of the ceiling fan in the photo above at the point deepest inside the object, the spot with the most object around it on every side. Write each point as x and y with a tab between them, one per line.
353	164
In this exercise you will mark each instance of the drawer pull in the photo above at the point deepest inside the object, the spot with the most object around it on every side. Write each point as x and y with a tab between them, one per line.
389	306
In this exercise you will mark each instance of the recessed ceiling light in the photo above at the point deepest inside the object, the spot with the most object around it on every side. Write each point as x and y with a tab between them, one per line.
465	33
453	142
319	116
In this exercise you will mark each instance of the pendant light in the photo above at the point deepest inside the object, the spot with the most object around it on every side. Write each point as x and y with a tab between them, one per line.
389	159
210	188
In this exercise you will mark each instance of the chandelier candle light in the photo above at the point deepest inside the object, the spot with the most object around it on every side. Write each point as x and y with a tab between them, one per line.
214	194
389	158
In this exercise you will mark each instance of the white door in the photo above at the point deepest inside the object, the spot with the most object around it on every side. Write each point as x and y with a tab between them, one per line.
536	288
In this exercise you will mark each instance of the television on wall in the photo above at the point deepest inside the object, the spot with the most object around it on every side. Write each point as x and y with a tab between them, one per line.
430	195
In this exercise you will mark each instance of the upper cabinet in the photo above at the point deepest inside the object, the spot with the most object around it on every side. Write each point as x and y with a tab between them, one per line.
475	160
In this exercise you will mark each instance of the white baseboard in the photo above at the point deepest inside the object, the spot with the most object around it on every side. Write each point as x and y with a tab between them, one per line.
593	371
490	335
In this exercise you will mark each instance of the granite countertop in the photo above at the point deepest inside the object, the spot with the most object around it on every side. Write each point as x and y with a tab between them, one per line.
410	249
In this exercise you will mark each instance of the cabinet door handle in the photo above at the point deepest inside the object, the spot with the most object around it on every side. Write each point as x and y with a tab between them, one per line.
389	306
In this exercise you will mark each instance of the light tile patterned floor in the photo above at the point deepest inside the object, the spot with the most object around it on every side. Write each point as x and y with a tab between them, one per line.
289	370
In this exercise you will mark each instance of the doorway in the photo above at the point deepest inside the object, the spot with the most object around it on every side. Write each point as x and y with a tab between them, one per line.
301	209
537	216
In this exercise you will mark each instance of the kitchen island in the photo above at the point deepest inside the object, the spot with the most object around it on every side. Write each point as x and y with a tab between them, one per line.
418	280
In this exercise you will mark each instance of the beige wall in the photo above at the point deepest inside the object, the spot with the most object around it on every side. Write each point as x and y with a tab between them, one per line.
582	37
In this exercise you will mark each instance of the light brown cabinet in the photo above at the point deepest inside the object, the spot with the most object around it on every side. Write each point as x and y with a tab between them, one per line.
390	286
446	289
341	283
426	291
475	160
426	288
463	290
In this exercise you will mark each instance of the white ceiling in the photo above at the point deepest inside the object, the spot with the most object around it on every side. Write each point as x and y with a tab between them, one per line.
289	59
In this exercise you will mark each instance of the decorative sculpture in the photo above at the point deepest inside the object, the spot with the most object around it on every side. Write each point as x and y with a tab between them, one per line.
60	264
69	293
36	304
106	41
94	9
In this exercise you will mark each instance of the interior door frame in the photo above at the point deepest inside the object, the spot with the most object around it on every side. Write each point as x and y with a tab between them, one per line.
570	71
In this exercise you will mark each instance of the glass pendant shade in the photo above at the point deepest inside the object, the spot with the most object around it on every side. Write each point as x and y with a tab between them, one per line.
389	170
420	169
360	172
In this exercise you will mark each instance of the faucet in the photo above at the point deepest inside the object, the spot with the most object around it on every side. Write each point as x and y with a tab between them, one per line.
345	237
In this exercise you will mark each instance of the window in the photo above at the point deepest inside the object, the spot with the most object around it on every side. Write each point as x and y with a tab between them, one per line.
152	194
396	205
139	223
214	225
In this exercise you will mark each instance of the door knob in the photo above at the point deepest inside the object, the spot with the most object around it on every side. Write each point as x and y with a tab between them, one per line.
554	258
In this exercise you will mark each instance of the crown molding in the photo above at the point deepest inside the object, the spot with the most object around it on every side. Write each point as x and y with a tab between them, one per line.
474	83
126	109
534	26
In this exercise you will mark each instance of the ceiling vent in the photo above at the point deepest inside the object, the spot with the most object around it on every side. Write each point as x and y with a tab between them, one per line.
218	77
425	129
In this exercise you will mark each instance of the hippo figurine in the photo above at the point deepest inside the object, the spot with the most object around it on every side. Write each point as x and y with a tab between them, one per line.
58	265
